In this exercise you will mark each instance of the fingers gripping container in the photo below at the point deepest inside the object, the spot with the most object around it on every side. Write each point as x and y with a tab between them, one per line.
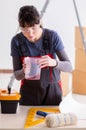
32	69
9	102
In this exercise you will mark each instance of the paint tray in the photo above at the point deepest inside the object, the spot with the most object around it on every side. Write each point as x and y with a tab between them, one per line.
9	102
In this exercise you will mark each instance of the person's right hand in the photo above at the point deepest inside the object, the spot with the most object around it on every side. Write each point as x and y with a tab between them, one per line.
26	66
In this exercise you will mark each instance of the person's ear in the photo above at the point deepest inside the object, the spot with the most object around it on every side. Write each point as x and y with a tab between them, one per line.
41	23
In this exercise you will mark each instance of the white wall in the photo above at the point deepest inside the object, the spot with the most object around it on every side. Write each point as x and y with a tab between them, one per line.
60	16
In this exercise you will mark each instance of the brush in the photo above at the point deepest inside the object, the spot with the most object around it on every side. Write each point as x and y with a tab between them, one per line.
10	83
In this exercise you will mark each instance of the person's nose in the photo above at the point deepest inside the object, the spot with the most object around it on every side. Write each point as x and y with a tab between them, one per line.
30	31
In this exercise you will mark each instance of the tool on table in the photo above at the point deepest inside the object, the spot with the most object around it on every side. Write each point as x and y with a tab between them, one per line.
41	113
9	100
33	120
60	119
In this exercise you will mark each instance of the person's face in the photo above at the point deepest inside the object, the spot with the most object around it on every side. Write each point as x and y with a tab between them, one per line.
31	33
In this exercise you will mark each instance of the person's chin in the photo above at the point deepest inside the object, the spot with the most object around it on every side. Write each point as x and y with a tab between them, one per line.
31	39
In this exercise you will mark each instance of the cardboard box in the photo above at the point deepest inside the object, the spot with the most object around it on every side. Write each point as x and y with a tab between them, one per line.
80	60
78	38
65	78
79	82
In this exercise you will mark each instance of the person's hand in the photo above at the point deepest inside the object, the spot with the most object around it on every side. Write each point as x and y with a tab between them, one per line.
46	61
26	66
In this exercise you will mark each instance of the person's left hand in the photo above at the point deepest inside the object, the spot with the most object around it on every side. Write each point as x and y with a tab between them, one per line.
47	61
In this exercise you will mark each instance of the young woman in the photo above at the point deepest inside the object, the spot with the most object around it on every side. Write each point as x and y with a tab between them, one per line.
37	42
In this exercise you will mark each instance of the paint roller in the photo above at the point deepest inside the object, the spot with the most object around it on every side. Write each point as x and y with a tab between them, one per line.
59	119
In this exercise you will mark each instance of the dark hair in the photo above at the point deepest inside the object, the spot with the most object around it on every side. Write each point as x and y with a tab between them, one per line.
28	16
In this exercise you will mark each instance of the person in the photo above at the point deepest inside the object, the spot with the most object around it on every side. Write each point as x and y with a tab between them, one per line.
35	41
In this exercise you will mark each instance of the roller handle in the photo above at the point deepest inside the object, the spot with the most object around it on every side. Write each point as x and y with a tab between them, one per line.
41	113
